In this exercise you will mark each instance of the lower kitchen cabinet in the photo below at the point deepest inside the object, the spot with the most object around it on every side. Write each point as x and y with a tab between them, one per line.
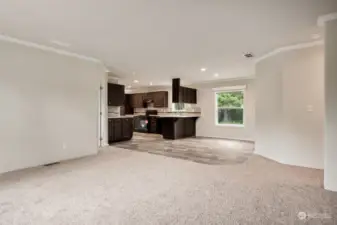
118	135
127	128
120	129
178	127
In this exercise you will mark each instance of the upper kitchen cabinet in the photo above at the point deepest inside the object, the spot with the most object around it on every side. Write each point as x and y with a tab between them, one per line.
160	99
116	94
137	100
190	95
194	99
182	94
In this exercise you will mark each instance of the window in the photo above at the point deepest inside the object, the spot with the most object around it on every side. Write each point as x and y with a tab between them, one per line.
229	107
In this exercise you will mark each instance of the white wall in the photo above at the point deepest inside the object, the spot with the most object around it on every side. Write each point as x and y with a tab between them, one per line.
206	126
49	107
269	108
330	169
288	85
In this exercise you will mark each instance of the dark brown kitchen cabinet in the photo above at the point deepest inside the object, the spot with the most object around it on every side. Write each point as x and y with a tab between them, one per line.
118	135
110	130
187	95
128	109
194	96
127	129
116	94
159	98
178	127
137	100
182	94
120	129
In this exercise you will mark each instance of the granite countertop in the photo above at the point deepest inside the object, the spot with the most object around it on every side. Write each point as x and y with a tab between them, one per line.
162	115
176	115
122	116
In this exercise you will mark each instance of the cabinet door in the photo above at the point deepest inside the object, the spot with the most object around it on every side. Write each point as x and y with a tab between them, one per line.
118	135
110	94
127	132
133	100
137	100
160	99
116	94
194	96
188	95
110	131
140	100
182	95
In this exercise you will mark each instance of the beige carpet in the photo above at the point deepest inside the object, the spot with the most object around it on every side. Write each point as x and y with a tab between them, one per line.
127	187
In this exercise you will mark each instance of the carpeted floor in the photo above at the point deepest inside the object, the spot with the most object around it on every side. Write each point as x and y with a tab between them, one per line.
120	186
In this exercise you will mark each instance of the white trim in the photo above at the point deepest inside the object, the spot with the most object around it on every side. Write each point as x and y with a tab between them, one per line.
47	48
325	18
230	88
290	48
231	125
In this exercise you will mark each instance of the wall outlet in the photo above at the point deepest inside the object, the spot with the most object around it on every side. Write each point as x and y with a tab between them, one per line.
64	145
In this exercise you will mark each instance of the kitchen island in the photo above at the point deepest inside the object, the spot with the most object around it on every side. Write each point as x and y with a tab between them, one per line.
178	126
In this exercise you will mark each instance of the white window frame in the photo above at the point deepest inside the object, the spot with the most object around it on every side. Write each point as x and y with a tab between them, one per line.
229	89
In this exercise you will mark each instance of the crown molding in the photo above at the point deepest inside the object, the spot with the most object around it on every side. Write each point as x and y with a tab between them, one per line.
325	18
289	48
29	44
216	83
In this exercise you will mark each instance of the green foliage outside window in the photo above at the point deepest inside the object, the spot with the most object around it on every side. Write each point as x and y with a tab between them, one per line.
230	107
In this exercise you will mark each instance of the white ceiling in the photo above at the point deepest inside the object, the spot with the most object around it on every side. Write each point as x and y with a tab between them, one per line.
162	39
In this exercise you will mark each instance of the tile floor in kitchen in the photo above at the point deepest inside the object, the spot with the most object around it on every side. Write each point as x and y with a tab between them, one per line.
201	150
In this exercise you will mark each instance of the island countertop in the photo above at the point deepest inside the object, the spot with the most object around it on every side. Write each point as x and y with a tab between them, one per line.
121	116
177	115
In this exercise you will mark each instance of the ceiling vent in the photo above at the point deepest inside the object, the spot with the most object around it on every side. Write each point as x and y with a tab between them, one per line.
249	55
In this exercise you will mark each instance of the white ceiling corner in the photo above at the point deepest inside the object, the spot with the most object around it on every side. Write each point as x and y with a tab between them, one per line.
325	18
290	48
29	44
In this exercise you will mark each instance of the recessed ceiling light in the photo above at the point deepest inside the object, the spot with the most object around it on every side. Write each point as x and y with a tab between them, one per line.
216	74
151	83
60	43
203	69
315	36
135	81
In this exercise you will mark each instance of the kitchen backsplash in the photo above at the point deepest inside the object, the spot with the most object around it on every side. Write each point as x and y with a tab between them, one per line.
114	111
186	108
189	108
